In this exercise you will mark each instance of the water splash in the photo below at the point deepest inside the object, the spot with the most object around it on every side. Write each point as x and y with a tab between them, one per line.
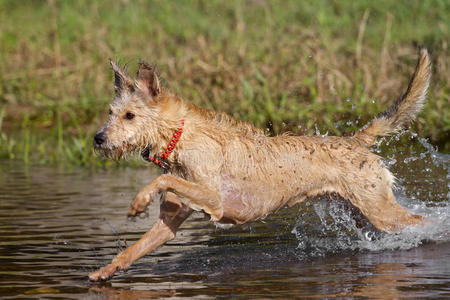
333	229
423	183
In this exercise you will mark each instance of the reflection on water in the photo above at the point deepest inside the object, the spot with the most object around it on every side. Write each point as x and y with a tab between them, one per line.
57	225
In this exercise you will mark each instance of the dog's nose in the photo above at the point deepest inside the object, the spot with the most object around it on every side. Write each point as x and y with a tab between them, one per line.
99	138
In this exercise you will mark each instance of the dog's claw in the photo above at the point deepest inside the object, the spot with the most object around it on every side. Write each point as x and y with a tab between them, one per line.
215	216
132	213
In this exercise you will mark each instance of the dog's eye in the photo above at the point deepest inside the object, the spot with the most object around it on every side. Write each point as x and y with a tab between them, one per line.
110	112
129	115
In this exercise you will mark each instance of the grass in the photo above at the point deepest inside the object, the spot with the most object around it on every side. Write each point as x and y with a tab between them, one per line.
284	65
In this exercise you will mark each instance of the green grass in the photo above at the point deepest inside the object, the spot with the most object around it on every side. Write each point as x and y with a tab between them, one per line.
279	64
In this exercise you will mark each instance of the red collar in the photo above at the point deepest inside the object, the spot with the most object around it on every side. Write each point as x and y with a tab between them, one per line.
161	160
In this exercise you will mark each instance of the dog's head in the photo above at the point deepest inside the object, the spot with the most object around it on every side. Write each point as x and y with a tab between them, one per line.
140	116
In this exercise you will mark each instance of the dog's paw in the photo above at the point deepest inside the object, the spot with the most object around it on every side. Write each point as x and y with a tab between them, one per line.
139	204
215	215
104	273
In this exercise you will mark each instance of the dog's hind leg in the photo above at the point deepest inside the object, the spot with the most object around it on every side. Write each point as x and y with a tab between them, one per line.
194	195
172	215
383	211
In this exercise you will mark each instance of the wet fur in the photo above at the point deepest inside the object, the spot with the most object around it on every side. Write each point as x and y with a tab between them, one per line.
235	173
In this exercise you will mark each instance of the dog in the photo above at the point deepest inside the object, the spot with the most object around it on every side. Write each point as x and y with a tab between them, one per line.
234	172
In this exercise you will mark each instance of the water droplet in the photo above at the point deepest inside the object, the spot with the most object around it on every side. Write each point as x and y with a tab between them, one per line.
316	129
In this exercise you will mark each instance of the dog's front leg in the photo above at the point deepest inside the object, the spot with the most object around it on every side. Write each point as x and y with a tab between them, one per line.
172	215
194	195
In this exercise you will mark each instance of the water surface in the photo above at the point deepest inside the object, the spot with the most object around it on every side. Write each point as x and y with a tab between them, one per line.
59	224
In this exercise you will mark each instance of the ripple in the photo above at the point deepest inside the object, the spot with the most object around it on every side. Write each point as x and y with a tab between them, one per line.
58	225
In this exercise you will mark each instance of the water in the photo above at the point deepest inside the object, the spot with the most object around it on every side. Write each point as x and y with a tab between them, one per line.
57	225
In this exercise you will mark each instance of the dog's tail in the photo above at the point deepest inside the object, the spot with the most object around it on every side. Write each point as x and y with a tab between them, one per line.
404	109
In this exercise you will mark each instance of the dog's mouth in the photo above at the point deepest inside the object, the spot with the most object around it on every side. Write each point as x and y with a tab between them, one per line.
145	153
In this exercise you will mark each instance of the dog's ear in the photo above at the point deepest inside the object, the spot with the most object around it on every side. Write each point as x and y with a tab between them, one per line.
147	79
121	79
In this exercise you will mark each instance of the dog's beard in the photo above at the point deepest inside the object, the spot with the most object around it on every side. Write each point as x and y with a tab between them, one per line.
124	151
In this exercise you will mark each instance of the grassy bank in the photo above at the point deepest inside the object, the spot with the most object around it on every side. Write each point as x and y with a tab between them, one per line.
284	65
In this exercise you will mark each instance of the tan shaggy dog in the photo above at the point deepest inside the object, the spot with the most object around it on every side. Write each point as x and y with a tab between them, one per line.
234	172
